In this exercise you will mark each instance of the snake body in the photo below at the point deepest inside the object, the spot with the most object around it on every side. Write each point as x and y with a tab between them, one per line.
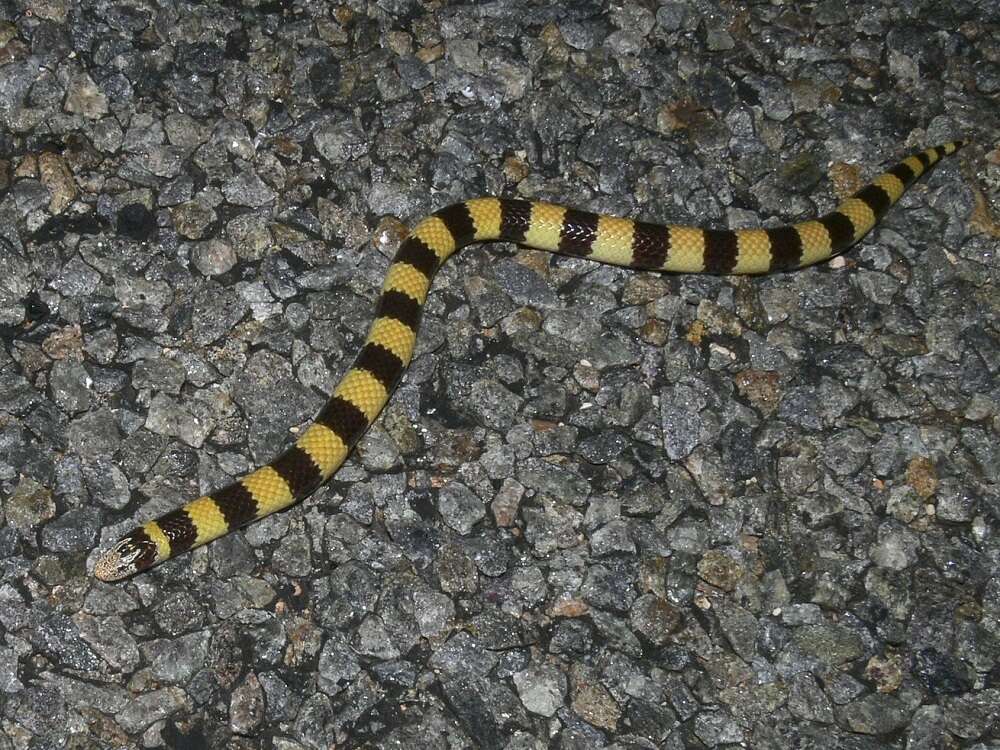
365	388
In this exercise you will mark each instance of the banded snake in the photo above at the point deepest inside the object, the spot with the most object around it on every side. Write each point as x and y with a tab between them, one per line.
366	387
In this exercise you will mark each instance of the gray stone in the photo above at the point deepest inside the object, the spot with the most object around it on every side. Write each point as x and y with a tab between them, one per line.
877	714
464	654
541	688
955	502
181	420
611	538
434	613
106	483
460	508
85	98
341	142
715	728
249	236
897	548
248	189
338	666
165	375
29	505
655	618
145	710
213	257
175	661
807	701
833	644
246	707
192	218
57	637
73	531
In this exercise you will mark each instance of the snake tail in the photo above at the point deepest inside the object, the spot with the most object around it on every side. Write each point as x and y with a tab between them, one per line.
365	388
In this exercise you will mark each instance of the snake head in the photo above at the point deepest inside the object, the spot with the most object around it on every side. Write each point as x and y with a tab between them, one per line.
127	557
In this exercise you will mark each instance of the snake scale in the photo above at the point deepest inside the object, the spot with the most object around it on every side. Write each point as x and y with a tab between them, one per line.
365	388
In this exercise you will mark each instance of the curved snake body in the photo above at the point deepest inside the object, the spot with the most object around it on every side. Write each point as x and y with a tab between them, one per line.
365	388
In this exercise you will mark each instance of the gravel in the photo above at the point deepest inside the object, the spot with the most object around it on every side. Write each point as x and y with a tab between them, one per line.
605	508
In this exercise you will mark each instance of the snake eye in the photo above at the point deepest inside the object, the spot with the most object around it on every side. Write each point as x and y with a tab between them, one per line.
128	554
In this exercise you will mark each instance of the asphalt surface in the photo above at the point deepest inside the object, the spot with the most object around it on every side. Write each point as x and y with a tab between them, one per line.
606	508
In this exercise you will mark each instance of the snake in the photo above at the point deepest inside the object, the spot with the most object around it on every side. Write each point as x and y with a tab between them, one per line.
366	386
